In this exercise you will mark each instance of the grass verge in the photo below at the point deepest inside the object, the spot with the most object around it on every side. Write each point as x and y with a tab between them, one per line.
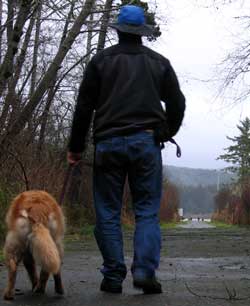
169	225
87	231
222	225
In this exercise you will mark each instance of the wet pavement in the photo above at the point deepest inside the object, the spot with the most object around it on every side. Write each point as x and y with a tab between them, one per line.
199	267
196	224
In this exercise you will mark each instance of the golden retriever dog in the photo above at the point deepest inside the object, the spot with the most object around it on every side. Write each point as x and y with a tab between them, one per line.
35	231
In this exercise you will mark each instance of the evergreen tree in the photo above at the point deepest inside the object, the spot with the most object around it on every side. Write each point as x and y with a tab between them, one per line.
238	154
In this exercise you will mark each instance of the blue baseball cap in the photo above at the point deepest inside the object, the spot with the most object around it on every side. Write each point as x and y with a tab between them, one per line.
131	19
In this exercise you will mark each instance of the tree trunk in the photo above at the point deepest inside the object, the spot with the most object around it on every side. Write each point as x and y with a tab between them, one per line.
6	68
89	38
44	121
52	91
11	97
104	25
31	126
9	21
35	50
1	33
49	76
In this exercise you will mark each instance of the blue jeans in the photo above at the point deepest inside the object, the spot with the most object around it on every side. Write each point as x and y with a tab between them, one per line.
138	158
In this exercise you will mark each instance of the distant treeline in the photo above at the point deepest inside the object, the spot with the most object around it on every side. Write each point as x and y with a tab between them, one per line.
197	199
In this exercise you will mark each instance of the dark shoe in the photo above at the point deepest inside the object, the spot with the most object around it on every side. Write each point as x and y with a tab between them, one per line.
148	285
111	286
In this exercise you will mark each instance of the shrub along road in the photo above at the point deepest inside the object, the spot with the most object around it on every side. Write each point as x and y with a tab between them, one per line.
199	267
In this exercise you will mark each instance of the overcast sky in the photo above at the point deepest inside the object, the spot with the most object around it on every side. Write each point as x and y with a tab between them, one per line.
195	40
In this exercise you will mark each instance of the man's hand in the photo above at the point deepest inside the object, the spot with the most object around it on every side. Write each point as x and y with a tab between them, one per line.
74	158
161	133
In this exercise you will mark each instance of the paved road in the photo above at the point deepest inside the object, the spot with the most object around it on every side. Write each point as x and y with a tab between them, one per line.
199	267
196	224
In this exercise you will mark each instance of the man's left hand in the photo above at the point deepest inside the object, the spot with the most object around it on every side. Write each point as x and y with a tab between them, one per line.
74	158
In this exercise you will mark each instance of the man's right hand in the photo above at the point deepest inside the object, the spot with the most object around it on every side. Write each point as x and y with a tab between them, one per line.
74	158
161	133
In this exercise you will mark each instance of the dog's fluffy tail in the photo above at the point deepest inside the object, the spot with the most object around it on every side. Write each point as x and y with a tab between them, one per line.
44	250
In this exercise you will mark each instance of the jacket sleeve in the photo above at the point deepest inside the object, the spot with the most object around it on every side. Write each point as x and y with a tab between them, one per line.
87	96
174	99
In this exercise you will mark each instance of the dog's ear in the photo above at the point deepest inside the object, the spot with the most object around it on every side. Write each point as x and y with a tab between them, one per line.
24	213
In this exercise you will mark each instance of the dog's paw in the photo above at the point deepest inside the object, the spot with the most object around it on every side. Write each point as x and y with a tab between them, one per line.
8	296
34	285
59	290
39	290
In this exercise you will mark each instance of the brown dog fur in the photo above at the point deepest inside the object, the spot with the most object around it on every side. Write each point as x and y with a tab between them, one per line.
35	231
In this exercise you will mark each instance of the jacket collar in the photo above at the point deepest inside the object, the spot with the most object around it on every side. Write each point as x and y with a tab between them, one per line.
125	38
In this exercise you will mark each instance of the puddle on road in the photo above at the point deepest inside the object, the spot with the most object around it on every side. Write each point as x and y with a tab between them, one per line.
233	267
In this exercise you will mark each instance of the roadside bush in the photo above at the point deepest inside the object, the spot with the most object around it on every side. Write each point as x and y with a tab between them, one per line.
169	203
233	206
22	169
221	199
4	204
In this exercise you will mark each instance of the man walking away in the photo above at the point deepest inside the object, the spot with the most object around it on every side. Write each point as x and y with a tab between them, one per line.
124	85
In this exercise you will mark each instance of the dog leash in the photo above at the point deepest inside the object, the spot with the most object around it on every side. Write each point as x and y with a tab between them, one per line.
67	178
178	148
65	183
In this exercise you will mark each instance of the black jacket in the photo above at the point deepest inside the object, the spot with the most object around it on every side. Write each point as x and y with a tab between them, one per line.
125	85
